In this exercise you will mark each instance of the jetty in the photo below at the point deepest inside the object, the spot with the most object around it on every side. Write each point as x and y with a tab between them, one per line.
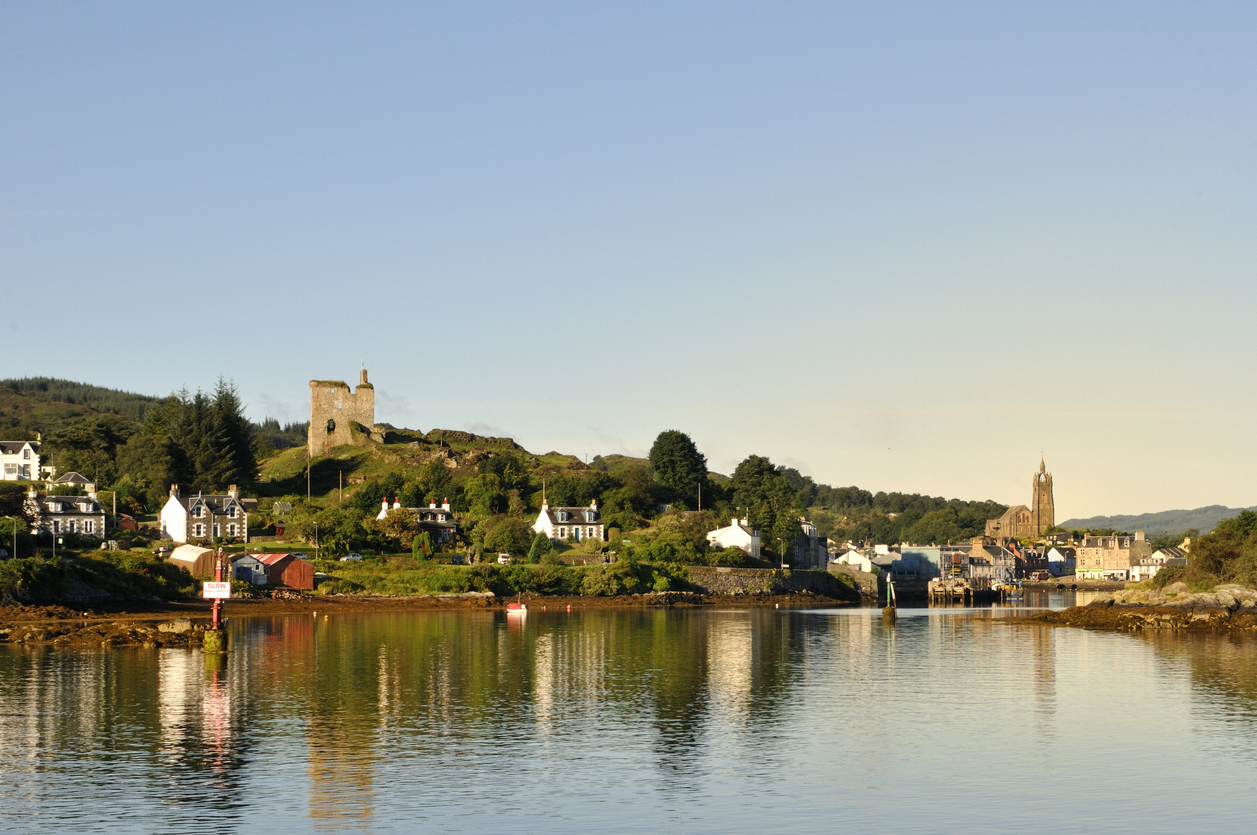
946	591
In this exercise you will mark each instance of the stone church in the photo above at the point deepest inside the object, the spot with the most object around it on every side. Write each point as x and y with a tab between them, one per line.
1023	522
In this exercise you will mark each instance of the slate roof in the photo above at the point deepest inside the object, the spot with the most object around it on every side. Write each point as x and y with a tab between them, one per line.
217	504
69	505
577	515
14	447
72	478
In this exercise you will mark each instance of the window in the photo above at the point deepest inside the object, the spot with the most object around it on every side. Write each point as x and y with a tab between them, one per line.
590	533
198	530
89	526
561	515
10	469
217	529
231	529
196	512
56	526
26	453
231	512
562	533
589	516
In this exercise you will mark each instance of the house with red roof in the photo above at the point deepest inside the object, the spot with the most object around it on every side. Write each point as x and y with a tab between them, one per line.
291	570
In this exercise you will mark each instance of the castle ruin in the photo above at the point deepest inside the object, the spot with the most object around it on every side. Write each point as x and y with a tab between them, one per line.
333	407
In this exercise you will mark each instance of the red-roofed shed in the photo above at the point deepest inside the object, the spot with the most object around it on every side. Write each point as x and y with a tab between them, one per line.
289	570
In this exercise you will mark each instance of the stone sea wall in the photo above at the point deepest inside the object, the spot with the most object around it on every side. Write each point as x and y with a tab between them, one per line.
735	582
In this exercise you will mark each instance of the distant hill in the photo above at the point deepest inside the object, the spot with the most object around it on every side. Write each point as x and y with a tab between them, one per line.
1203	519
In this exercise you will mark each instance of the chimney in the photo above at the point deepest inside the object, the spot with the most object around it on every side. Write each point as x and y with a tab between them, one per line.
384	505
397	503
233	491
445	504
432	504
174	491
594	504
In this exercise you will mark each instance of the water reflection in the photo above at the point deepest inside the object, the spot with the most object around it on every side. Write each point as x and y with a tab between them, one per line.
724	720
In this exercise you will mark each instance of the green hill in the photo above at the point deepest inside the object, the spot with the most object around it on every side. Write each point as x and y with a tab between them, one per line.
125	440
82	397
1203	519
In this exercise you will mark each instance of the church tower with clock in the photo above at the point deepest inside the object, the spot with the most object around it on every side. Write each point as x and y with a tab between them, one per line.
1042	509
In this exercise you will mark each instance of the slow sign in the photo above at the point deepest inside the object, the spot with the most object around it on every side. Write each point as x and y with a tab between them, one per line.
210	590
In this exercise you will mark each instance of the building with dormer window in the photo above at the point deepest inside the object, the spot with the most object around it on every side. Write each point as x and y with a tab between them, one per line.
577	523
205	517
437	520
80	515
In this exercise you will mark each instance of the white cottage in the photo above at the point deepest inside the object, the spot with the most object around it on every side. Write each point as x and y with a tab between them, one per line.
738	534
578	523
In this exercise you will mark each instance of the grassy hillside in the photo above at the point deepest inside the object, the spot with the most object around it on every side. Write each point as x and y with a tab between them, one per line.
48	390
1203	519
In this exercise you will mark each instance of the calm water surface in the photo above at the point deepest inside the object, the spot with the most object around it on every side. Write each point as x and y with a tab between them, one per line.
637	721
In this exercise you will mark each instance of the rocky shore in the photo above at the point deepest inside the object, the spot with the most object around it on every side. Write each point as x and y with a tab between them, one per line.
182	624
1225	607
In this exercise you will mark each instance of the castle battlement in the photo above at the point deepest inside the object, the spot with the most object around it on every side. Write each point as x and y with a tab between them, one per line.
332	407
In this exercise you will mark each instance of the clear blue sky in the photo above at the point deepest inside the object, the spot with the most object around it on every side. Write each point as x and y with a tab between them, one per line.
904	246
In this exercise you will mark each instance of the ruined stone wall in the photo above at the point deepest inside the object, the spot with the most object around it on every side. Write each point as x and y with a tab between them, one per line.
332	407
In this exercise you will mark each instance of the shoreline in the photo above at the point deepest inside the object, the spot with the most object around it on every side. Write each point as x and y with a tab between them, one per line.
153	623
1229	607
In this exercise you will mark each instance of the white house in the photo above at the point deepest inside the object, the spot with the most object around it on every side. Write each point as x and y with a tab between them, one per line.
579	523
1147	568
738	534
855	558
19	460
1061	560
201	517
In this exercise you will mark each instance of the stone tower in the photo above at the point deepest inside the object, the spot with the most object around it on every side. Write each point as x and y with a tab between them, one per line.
332	407
1043	509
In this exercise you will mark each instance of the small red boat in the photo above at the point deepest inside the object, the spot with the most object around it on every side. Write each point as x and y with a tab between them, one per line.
517	608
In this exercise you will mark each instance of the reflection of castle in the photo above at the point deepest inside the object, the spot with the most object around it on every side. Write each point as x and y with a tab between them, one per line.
1023	522
332	407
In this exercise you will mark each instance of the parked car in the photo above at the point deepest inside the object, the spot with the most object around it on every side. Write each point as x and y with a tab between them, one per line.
457	559
504	559
351	557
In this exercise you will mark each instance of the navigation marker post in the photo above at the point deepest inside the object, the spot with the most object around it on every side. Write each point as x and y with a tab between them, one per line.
215	639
